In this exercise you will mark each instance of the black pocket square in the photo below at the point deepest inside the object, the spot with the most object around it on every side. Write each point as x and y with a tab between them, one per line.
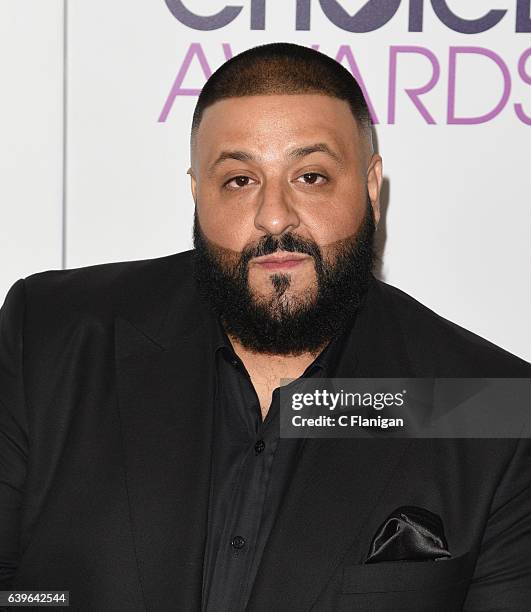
409	533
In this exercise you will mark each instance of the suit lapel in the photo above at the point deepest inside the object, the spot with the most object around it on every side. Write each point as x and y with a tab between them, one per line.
165	399
337	482
335	486
165	387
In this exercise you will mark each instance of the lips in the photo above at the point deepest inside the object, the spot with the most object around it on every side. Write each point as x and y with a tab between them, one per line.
280	261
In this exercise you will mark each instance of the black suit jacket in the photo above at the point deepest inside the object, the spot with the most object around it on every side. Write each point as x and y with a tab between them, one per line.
106	386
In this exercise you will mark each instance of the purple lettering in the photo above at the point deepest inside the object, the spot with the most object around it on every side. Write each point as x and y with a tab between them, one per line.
413	93
466	26
523	16
416	15
195	50
371	16
526	78
302	19
257	14
202	22
452	69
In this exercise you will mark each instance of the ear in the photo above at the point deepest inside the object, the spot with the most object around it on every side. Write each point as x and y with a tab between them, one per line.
374	184
193	184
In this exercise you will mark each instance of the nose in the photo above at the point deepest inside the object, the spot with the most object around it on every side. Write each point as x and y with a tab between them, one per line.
275	213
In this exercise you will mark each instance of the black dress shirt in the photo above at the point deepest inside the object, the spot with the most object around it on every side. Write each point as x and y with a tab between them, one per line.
251	468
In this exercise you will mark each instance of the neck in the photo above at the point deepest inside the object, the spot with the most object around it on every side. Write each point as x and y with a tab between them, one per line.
291	366
266	371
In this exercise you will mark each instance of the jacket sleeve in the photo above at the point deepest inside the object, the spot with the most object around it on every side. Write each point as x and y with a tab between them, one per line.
502	577
13	430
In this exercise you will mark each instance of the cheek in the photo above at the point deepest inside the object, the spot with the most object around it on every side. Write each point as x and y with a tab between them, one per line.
333	223
231	225
228	228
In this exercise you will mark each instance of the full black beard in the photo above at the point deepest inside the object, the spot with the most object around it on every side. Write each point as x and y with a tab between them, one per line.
279	325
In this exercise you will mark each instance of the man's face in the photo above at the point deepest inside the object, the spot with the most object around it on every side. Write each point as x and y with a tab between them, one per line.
277	166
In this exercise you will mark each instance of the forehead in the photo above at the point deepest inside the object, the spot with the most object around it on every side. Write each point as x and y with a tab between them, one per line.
271	124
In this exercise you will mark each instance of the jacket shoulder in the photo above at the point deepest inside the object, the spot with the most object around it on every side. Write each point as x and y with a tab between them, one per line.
101	290
439	347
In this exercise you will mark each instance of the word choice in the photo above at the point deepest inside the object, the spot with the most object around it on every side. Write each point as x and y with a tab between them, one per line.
372	15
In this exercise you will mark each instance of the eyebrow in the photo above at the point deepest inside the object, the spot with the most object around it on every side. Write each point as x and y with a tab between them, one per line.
318	147
297	153
224	155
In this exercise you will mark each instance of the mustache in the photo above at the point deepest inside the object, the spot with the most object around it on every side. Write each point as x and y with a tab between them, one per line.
290	242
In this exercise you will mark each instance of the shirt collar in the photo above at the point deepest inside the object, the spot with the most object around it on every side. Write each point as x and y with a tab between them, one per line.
326	361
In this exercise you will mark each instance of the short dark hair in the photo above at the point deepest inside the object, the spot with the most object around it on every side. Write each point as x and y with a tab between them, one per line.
282	68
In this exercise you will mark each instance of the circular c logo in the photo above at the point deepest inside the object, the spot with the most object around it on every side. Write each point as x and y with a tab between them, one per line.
371	16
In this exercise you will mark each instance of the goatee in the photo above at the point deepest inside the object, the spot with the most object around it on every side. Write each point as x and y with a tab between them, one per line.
278	324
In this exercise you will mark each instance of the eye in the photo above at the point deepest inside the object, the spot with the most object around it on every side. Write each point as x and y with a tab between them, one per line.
237	182
312	178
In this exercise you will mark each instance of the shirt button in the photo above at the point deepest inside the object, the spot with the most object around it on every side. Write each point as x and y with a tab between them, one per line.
237	542
234	362
259	447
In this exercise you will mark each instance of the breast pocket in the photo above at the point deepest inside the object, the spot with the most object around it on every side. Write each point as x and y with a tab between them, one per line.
406	585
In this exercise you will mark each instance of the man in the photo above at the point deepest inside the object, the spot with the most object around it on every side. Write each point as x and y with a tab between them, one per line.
141	466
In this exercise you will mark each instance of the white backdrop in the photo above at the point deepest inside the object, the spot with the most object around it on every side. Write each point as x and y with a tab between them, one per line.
94	136
31	137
